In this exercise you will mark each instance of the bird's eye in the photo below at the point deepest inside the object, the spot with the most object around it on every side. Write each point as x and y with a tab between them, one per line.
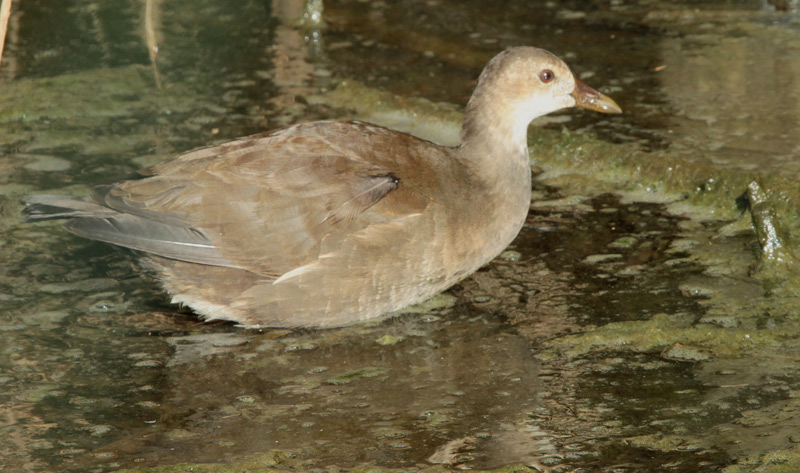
546	75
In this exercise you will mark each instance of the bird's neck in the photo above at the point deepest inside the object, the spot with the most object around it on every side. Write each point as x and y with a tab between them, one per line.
494	142
495	149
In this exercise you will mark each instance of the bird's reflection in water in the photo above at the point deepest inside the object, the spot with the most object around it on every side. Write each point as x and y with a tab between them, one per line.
418	388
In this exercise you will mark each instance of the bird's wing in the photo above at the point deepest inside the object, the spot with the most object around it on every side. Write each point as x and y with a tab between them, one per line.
269	204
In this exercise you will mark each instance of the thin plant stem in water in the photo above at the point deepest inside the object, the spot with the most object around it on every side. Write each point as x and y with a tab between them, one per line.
152	43
5	13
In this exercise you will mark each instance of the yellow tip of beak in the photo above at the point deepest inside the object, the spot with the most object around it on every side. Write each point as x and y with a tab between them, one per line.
587	97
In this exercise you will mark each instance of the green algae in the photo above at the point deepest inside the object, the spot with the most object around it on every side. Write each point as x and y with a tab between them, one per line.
437	122
71	107
71	96
272	461
657	175
356	375
415	39
437	303
277	461
389	340
624	242
663	443
779	461
665	330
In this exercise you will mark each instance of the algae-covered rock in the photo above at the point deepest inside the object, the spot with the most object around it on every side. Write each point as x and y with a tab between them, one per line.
777	253
274	460
780	461
277	461
663	330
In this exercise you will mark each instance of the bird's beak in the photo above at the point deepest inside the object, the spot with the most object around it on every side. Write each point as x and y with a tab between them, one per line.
587	97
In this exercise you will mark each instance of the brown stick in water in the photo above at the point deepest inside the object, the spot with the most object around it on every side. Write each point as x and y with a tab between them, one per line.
152	43
5	13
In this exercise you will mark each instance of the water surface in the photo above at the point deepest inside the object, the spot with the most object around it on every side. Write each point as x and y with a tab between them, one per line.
99	372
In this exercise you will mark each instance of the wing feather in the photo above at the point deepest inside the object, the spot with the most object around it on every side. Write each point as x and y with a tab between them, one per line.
270	203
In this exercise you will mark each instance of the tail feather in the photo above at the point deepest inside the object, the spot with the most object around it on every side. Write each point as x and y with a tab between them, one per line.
46	206
89	219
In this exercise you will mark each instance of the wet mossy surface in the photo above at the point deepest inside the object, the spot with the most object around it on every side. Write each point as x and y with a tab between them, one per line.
643	320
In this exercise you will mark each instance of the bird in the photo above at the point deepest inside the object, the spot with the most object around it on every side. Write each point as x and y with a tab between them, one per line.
330	223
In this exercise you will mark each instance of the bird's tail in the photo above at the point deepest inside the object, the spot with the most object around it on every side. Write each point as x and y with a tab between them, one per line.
47	206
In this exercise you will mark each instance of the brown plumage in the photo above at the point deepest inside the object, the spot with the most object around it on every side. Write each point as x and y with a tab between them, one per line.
324	224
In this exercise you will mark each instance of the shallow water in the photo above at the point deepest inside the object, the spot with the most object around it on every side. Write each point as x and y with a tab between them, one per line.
614	336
